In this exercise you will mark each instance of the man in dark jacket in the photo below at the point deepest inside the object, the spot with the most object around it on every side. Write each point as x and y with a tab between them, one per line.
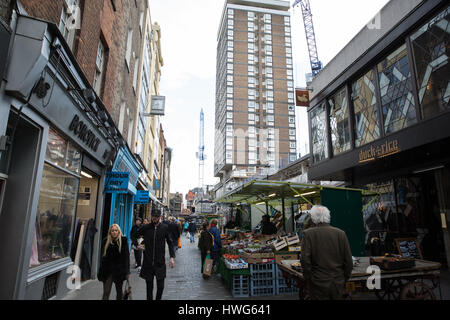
268	228
155	234
134	243
192	230
326	258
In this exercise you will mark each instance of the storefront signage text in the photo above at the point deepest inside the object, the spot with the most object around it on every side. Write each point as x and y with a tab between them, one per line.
375	152
142	197
86	135
117	181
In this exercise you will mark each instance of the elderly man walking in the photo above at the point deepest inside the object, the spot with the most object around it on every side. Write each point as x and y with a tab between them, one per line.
326	257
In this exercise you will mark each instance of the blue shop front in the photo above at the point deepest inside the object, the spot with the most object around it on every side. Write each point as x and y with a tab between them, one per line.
119	203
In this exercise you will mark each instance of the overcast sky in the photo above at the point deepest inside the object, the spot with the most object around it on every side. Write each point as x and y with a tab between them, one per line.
189	40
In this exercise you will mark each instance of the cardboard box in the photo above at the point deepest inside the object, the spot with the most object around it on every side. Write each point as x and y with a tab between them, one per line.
280	244
291	240
285	255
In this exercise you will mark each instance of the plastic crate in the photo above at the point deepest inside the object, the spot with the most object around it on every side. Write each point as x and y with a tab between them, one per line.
281	286
240	286
262	287
263	271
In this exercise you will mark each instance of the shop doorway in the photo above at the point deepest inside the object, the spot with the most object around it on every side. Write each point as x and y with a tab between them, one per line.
84	229
433	242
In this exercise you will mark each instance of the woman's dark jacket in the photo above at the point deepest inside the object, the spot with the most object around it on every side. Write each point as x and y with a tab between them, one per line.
174	232
133	234
205	242
115	263
155	251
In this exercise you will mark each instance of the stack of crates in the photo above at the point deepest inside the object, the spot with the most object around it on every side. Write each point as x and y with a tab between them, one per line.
262	279
240	286
281	286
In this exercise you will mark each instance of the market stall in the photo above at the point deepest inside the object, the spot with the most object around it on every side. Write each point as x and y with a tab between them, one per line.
414	279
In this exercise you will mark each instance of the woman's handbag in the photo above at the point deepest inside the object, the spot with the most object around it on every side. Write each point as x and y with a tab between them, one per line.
179	243
127	292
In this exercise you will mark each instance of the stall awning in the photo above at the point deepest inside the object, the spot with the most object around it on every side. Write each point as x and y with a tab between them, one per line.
261	191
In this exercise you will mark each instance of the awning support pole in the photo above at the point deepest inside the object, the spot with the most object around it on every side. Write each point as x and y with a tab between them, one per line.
300	195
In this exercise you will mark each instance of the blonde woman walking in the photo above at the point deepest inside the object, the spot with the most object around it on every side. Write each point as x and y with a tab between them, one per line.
115	262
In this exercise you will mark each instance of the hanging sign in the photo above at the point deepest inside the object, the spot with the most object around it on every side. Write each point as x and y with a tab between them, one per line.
142	197
302	97
117	182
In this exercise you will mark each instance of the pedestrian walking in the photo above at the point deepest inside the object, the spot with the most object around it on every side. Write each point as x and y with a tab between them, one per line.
115	262
192	230
146	221
155	235
174	232
186	227
135	244
326	258
216	250
205	242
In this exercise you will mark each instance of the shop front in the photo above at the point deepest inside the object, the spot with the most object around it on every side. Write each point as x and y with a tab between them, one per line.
58	146
119	205
383	125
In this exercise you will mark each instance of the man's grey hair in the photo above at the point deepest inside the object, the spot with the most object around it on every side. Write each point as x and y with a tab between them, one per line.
320	214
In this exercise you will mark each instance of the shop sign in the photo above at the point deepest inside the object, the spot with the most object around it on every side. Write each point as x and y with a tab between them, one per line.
158	104
302	97
84	134
374	152
117	182
142	197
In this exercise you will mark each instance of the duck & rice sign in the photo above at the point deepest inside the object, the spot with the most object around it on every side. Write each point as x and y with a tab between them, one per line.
117	182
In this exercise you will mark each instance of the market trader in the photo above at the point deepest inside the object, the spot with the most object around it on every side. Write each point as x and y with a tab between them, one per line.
326	258
268	228
155	234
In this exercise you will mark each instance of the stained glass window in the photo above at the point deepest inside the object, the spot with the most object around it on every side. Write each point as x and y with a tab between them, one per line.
397	99
340	129
367	127
430	46
319	133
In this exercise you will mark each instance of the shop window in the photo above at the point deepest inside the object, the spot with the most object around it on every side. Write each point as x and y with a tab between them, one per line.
367	127
339	127
430	46
61	153
319	133
397	100
55	216
57	201
99	68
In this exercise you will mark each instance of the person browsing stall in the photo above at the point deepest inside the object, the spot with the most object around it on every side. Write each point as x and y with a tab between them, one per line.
326	258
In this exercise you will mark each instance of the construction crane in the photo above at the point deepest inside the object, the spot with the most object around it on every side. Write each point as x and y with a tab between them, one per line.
201	151
316	64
